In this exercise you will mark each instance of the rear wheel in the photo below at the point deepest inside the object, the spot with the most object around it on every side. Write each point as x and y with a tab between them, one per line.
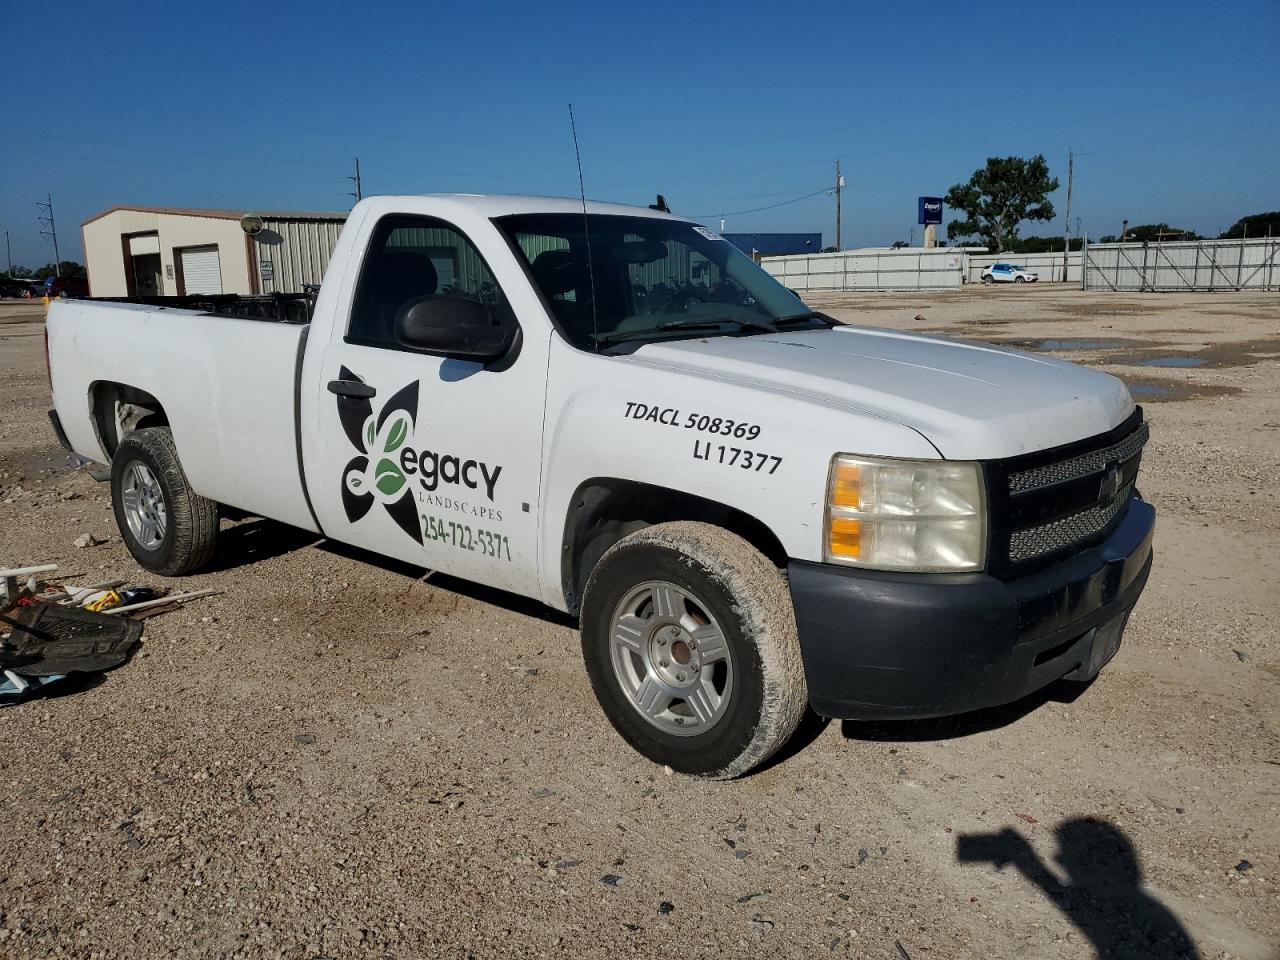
168	528
988	279
690	642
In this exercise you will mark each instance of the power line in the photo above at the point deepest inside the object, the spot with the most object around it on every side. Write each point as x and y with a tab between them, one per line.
740	213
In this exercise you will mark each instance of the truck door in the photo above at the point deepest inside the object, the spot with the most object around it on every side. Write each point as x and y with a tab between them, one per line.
429	459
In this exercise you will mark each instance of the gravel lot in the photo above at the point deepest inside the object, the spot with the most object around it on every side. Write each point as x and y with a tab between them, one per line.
334	758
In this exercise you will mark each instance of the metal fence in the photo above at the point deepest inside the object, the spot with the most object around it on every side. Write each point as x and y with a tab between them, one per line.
912	269
1188	265
1046	266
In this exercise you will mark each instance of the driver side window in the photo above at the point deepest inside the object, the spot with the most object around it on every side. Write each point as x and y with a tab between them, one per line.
410	258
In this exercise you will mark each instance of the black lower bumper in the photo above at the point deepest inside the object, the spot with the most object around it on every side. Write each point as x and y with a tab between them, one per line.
883	645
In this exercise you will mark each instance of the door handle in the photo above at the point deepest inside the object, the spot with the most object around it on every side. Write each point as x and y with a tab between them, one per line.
352	388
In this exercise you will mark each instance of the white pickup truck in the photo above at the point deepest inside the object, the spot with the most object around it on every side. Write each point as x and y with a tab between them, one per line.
753	509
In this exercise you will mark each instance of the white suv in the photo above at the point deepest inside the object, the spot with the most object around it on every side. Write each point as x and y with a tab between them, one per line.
1007	273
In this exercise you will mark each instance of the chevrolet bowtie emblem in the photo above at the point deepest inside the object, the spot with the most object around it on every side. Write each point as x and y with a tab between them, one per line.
1110	485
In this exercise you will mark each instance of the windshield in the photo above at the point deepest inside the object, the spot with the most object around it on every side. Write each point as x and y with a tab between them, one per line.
643	278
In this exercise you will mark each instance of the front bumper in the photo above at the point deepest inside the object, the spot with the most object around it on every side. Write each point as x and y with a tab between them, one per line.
884	645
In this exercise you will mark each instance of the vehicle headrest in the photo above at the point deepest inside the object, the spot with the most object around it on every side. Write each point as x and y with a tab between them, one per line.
399	275
557	272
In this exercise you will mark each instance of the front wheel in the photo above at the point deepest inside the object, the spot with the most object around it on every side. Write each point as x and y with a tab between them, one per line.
690	643
169	529
1019	279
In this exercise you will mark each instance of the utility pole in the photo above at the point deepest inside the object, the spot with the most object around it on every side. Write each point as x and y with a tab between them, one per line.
1124	230
1066	227
8	255
839	190
51	233
359	193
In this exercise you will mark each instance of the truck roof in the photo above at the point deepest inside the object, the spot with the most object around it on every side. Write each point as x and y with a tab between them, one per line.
501	205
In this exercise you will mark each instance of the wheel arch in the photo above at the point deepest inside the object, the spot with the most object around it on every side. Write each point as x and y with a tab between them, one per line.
603	510
118	409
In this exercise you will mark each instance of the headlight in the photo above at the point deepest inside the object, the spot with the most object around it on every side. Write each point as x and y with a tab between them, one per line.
924	515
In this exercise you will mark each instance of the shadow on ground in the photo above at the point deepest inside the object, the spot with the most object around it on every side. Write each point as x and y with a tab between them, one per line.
964	724
1102	893
254	540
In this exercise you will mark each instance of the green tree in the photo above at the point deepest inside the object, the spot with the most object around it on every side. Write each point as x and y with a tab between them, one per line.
998	197
1254	225
69	269
1044	244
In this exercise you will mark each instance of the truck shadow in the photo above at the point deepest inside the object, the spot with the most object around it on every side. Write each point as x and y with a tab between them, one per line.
964	724
525	606
256	539
1102	893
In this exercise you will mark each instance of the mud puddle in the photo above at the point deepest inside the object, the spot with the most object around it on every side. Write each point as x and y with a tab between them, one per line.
1167	391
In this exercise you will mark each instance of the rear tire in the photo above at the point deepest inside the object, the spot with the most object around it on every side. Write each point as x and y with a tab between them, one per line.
988	279
168	528
689	638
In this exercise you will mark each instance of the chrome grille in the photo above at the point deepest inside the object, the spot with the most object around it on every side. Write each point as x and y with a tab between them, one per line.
1095	461
1032	542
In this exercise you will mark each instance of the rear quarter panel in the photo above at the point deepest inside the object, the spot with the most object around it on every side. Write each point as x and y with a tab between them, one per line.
227	386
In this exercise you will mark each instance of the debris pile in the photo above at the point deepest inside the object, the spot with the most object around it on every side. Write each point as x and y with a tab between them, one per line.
51	629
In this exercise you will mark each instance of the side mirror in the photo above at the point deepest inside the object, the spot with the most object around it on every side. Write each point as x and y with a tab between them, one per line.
454	327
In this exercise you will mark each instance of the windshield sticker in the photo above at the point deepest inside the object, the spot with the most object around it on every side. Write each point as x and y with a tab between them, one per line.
704	232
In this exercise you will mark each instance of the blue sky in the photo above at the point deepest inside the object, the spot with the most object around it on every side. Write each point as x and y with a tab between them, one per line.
723	107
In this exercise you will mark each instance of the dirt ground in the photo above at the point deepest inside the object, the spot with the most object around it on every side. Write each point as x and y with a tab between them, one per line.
333	758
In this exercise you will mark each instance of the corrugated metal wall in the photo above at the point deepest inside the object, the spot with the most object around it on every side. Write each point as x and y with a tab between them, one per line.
912	269
298	252
1184	265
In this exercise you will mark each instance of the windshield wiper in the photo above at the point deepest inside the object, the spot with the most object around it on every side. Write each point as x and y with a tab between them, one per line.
688	324
802	317
695	324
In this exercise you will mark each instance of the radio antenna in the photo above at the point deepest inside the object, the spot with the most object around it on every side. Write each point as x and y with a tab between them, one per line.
586	230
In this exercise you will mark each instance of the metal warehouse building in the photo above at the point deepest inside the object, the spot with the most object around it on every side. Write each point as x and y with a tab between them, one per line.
775	244
168	251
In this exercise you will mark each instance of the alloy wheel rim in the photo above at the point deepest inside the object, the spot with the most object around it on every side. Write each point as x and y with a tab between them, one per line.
671	658
144	507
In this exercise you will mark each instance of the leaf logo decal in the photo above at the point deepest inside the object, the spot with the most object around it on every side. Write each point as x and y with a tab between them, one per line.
376	477
388	478
397	434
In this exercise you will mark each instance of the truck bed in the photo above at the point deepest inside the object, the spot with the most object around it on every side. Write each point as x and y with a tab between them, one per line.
280	307
227	384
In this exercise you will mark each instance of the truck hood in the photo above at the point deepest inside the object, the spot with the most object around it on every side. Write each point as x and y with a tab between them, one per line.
972	401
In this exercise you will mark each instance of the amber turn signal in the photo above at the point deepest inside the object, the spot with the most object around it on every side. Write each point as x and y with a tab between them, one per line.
846	491
845	537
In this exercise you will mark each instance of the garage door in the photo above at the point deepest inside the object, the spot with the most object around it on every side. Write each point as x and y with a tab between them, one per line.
201	272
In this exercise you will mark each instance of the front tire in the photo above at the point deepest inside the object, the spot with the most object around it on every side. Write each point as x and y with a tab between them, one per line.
169	529
690	642
1020	279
